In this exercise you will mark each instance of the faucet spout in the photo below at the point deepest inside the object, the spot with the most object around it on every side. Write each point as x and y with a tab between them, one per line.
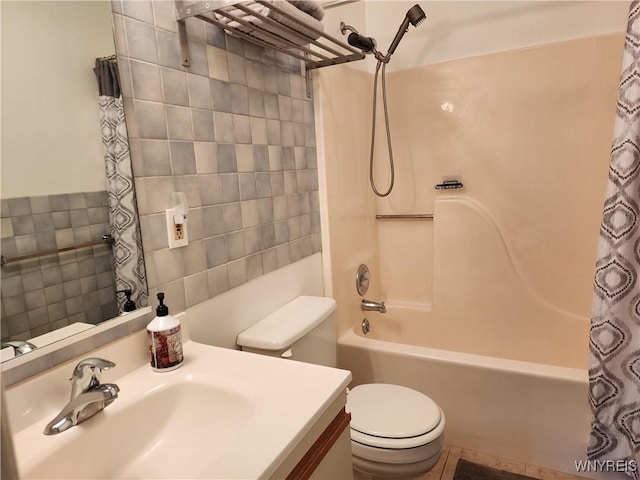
371	306
82	407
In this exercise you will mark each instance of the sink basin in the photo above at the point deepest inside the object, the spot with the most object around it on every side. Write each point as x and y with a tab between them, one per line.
143	434
223	414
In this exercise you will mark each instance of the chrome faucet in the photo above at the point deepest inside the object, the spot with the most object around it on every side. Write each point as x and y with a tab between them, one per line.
370	306
19	346
88	395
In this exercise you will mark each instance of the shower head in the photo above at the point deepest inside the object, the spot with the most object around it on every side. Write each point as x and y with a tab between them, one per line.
415	16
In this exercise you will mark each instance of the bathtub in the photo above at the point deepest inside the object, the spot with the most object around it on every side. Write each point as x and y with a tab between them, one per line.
534	413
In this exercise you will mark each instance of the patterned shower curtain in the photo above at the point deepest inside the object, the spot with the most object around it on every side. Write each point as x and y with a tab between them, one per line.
614	364
125	228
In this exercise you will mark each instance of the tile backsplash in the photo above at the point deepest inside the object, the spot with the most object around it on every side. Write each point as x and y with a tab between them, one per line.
49	292
235	132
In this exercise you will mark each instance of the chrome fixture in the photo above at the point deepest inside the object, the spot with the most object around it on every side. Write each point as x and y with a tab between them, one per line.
19	346
362	279
366	327
370	306
88	395
414	16
407	216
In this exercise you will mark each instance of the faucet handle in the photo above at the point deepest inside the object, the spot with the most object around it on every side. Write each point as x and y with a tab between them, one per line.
86	374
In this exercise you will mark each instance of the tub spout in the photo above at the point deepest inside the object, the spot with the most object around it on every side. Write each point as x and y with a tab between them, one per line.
370	306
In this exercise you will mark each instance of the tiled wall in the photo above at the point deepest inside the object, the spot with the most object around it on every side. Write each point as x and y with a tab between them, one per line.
234	132
52	291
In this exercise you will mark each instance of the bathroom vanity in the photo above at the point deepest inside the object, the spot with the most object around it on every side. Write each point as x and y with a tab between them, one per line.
223	414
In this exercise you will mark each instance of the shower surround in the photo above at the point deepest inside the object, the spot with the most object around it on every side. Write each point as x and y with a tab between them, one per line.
504	271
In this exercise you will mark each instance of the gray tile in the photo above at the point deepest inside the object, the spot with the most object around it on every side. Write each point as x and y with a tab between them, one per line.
40	204
230	188
254	266
5	211
216	250
259	135
263	184
210	191
194	258
316	242
290	182
244	156
14	305
255	75
79	218
174	84
256	103
169	50
77	201
247	186
223	127
38	317
59	203
271	106
269	260
165	15
199	93
183	158
213	221
11	286
249	209
232	216
138	10
299	138
190	185
141	41
202	125
154	232
74	304
22	225
235	245
46	240
168	264
206	157
239	99
274	132
26	244
279	207
261	158
267	235
293	205
265	210
275	158
218	280
294	228
295	251
284	83
284	106
304	205
283	255
196	229
281	233
20	206
151	119
221	95
179	123
270	79
297	110
288	158
286	128
277	183
146	81
156	160
218	64
252	241
215	36
88	284
241	129
196	289
237	69
199	60
237	273
227	158
235	45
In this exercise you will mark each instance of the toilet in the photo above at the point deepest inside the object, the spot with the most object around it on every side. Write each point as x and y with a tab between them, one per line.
396	432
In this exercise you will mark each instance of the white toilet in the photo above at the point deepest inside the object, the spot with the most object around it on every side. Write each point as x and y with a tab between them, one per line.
396	432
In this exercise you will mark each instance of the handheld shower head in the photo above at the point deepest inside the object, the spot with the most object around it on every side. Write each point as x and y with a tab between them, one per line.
415	16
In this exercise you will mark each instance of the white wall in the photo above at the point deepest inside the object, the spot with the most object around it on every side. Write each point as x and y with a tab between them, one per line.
50	123
456	29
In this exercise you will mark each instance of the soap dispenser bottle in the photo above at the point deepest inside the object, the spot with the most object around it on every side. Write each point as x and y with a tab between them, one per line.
165	341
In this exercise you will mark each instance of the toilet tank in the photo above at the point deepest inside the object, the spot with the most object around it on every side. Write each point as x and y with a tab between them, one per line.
303	329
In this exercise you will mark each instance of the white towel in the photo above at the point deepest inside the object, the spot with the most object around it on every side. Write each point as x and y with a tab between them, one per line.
304	18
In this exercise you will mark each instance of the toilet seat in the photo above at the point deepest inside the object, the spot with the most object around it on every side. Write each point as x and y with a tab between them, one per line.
392	416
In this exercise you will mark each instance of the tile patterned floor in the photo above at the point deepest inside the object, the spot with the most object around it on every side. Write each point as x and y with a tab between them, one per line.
446	466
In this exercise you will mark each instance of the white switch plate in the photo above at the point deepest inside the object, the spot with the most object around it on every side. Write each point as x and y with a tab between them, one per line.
171	231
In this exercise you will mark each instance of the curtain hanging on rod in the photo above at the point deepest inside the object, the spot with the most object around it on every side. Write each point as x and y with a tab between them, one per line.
614	346
125	228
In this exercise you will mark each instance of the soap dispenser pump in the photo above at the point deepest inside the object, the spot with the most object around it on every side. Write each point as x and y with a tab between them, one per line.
129	305
165	340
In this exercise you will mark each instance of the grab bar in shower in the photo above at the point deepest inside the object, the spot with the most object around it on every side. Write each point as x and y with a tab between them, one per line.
105	240
409	216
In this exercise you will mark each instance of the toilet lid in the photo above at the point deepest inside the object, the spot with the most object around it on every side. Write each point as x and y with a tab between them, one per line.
391	411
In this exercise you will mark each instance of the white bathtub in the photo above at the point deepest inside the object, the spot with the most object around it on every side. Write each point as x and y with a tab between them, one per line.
535	413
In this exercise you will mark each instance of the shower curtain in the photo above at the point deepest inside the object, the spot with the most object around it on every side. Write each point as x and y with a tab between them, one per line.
125	228
614	346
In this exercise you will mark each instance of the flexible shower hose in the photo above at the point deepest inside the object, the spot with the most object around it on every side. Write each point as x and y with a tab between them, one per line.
373	130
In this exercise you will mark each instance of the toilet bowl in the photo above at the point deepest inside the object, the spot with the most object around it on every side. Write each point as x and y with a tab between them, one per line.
396	432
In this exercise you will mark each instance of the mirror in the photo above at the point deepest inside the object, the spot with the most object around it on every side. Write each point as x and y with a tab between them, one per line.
53	184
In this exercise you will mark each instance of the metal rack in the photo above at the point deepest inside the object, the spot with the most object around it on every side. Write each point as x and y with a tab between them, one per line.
408	216
323	52
106	240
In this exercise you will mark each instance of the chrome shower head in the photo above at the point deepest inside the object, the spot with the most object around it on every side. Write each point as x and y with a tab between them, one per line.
415	16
